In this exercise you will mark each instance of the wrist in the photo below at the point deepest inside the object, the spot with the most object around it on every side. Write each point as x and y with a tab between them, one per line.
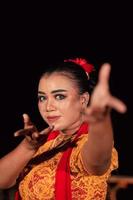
100	116
28	147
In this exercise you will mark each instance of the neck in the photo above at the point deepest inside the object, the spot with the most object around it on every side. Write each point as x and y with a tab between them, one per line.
75	127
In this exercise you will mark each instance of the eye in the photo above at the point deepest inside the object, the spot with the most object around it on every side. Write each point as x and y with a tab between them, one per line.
60	96
41	98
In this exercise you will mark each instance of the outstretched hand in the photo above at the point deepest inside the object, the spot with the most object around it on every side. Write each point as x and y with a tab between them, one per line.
102	101
33	137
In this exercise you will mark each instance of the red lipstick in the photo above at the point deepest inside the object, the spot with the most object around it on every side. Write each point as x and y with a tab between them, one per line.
53	118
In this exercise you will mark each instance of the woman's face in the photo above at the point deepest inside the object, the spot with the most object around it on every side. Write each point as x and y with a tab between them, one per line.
59	102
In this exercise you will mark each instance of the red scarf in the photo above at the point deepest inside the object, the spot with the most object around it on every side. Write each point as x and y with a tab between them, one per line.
62	179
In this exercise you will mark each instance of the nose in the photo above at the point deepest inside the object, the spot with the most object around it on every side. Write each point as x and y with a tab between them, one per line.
50	105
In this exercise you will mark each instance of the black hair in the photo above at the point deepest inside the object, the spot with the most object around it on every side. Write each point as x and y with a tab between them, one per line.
74	72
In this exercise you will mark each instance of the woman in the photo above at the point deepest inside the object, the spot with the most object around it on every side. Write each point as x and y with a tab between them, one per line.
74	156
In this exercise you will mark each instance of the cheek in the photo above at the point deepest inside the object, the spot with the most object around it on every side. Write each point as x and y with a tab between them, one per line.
70	108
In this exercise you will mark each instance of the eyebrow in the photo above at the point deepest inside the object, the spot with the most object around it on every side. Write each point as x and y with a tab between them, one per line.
54	91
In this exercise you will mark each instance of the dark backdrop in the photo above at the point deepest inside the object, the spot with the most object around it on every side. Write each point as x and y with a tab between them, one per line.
100	35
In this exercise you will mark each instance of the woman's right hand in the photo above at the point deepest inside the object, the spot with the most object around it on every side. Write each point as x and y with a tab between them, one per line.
33	138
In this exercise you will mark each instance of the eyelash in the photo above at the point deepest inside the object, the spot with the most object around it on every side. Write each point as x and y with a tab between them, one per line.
61	96
43	98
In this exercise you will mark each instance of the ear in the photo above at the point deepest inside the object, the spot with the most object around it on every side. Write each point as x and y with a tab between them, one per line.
84	99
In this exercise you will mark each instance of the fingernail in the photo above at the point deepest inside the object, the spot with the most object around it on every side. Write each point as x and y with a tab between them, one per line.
15	135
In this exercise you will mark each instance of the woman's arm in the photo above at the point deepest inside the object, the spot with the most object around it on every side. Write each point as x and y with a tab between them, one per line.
96	152
12	164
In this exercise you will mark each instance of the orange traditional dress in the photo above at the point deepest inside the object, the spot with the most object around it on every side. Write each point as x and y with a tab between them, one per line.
39	184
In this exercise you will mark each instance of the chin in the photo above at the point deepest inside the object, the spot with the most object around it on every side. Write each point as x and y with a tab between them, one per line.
58	127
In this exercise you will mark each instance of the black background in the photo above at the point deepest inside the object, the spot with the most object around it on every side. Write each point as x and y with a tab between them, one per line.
32	35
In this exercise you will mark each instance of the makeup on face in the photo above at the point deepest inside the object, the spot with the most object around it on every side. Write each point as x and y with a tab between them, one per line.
59	102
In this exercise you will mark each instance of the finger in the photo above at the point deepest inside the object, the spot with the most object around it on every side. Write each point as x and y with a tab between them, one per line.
35	135
18	133
27	120
46	130
118	105
104	74
28	138
24	132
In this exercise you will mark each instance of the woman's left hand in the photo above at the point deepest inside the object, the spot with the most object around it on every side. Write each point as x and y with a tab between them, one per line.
102	101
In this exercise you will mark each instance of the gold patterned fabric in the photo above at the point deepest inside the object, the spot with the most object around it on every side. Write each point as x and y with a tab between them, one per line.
39	184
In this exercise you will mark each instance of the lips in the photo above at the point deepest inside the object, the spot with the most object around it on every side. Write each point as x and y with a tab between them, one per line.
53	118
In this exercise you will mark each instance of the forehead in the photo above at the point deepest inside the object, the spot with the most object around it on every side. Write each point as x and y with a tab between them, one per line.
57	81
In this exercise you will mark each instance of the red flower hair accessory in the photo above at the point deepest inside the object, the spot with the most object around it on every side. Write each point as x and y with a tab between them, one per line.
88	68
